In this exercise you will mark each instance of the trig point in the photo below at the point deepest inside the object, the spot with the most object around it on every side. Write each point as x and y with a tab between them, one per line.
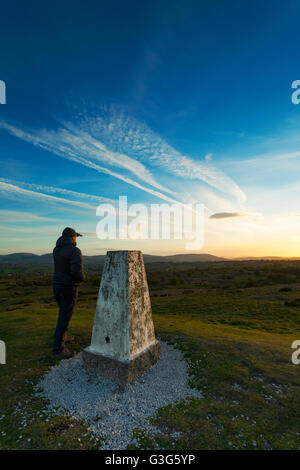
123	342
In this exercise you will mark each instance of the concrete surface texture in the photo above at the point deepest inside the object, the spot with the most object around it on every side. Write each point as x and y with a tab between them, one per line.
123	326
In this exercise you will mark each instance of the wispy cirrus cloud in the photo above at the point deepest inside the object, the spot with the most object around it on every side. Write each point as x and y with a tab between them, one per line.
124	133
8	189
267	159
48	140
7	230
104	140
22	216
55	190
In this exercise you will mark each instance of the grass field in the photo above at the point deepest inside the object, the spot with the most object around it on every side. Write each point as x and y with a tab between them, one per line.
235	323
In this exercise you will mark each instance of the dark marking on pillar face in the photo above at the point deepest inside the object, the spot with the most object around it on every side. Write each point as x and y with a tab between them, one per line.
105	292
107	339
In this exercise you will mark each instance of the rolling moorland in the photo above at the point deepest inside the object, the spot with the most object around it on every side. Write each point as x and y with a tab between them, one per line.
235	322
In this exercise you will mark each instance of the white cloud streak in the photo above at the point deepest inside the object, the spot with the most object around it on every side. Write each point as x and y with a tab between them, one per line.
122	132
267	159
19	216
8	189
48	141
109	137
55	190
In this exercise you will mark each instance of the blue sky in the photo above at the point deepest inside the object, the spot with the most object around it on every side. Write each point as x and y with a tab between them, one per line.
185	101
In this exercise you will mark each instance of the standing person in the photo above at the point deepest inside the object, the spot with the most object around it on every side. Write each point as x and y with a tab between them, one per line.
68	274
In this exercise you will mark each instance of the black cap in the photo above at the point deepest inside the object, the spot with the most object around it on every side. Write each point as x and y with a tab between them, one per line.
70	232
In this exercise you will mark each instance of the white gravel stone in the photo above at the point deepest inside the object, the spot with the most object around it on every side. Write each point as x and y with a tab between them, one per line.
108	412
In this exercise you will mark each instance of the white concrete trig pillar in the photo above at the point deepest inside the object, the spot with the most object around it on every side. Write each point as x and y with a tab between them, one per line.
123	343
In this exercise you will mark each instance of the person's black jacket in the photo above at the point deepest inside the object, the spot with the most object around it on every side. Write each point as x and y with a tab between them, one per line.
68	264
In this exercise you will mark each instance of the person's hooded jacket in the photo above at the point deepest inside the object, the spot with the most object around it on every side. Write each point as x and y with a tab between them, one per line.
68	264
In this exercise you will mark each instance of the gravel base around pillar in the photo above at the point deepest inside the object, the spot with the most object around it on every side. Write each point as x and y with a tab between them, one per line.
112	415
121	373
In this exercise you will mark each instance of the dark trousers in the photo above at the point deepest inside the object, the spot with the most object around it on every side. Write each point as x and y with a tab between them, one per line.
66	297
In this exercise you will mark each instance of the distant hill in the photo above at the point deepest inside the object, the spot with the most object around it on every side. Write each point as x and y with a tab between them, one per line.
26	258
30	259
267	258
46	260
184	258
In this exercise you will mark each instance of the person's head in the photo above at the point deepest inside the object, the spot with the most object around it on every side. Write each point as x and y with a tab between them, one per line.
71	233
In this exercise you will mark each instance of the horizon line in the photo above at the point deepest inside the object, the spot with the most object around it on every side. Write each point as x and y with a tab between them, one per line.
226	258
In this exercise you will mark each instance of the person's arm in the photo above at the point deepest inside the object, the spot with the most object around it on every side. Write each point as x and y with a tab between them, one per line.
76	264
